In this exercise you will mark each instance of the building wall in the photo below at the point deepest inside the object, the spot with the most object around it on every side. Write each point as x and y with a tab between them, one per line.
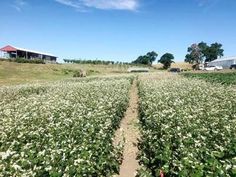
224	63
30	56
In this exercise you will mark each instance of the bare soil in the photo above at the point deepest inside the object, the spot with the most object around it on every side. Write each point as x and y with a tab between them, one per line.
129	129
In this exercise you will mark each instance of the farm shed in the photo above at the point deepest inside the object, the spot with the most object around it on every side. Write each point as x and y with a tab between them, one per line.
16	52
224	62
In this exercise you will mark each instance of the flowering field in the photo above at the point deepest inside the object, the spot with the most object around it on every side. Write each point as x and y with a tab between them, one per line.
188	128
61	129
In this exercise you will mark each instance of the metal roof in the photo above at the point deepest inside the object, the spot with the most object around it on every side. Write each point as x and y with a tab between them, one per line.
10	48
224	59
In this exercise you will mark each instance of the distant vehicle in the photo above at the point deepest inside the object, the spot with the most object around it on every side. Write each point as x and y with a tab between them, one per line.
201	67
213	68
233	66
175	70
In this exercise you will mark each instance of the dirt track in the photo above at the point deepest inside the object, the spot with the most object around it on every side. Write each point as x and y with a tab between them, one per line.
129	129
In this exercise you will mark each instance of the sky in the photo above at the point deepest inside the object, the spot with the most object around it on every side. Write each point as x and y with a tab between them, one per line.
117	30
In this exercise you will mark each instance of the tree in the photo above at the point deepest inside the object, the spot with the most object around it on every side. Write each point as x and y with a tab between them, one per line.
213	52
147	59
195	55
189	58
152	56
198	53
142	60
166	60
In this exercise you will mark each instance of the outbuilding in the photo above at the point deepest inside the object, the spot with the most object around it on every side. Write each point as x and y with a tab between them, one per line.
225	62
16	52
134	69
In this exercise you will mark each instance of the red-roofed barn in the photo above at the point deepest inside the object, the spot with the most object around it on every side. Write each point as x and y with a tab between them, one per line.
16	52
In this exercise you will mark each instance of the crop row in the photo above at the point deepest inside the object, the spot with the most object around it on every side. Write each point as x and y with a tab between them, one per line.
61	129
188	128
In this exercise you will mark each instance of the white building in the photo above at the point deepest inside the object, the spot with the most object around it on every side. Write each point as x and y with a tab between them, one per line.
134	69
225	62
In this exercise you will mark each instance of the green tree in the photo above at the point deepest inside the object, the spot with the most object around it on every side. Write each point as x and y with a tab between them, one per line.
152	56
198	53
166	60
213	52
189	58
147	59
195	55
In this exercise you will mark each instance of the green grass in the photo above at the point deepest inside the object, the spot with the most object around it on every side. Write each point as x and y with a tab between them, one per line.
12	73
225	78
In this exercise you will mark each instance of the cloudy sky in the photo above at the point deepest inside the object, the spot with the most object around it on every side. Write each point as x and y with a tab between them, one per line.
118	30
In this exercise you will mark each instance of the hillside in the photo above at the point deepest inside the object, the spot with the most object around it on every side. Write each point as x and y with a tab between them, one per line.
17	73
181	65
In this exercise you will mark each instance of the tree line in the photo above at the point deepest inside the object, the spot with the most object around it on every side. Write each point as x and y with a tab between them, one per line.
197	53
95	62
150	57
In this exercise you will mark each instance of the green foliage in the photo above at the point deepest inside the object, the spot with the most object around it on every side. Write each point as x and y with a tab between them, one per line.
166	60
195	54
92	72
223	78
63	128
152	56
95	62
202	52
67	71
23	60
77	74
80	73
188	128
213	52
147	59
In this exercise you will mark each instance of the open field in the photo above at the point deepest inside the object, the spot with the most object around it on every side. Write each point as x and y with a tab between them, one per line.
18	73
12	73
226	78
188	128
60	130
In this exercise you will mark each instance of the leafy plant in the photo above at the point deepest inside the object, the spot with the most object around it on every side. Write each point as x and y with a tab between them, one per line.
34	61
223	78
188	128
63	128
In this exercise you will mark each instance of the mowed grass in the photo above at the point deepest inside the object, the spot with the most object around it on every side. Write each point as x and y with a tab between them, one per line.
226	78
12	73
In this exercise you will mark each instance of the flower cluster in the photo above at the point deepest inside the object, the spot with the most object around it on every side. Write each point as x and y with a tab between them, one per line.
63	128
188	128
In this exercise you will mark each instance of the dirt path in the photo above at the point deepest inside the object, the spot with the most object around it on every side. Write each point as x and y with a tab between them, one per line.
129	129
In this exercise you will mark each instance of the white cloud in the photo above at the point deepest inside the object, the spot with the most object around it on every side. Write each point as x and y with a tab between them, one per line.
19	5
101	4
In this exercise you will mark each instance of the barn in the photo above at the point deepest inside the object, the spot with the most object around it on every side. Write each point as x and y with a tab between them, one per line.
224	62
16	52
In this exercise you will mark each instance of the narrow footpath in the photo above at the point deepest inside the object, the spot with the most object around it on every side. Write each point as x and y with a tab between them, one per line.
129	129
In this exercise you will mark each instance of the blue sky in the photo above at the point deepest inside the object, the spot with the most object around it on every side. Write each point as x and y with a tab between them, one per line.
118	30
